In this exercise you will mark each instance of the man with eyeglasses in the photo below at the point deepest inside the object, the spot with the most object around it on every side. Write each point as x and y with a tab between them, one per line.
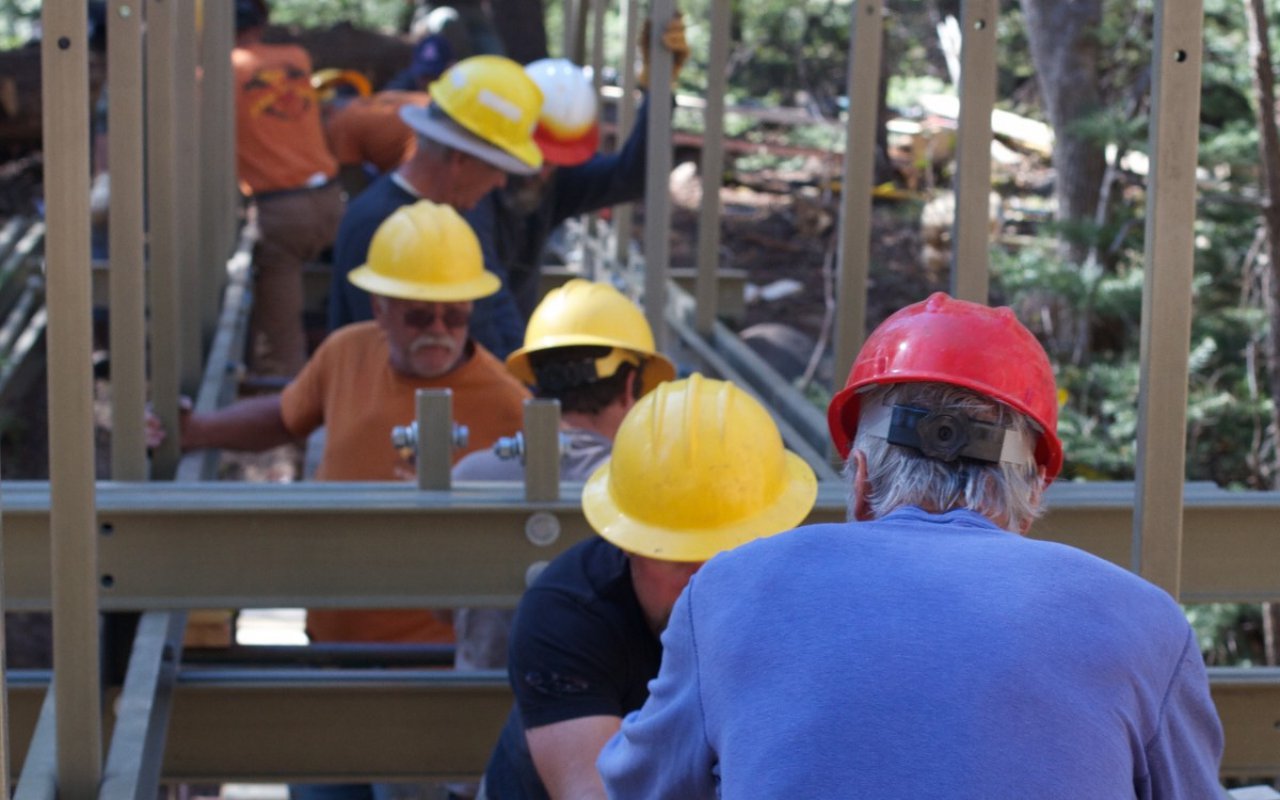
424	270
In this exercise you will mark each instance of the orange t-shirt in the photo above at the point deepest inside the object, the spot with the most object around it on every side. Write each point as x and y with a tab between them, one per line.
279	142
369	130
349	387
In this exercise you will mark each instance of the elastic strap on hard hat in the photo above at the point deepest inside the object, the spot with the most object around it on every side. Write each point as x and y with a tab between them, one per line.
557	376
947	435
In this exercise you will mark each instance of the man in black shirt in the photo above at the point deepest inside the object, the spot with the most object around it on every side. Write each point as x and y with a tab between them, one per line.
698	467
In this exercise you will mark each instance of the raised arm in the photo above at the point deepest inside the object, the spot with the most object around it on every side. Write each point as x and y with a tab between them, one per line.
253	424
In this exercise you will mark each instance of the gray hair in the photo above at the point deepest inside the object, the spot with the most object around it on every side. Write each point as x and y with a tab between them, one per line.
1008	494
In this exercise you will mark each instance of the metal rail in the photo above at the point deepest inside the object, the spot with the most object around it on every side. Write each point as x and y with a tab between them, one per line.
134	761
290	713
228	545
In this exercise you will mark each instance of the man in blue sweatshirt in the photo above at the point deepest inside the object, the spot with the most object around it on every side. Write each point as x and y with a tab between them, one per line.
514	221
927	648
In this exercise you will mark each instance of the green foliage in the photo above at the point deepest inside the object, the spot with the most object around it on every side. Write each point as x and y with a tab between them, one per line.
18	21
1228	633
375	14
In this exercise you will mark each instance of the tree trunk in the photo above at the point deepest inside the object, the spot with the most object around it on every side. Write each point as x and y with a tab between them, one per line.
1264	87
1064	49
521	27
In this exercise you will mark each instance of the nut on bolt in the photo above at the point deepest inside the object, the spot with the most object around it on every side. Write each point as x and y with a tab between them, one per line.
406	436
509	447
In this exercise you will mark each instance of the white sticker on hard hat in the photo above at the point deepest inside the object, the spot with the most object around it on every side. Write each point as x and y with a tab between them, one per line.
500	104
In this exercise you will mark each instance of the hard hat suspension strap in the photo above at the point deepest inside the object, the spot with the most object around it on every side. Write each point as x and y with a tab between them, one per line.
947	435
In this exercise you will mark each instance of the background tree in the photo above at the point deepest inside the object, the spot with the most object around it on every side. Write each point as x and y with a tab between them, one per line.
1264	84
1063	39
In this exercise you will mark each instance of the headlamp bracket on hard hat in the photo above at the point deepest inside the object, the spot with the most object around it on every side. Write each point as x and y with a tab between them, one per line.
557	376
947	435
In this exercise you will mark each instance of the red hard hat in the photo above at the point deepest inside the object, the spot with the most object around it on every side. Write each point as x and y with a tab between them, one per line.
943	340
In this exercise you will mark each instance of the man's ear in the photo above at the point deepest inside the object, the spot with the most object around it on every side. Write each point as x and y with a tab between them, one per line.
861	487
629	391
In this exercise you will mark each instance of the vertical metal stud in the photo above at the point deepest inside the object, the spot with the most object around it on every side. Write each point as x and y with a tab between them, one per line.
435	438
72	498
657	209
217	158
186	137
598	19
1166	293
127	232
622	218
970	255
5	768
712	168
542	450
162	227
855	200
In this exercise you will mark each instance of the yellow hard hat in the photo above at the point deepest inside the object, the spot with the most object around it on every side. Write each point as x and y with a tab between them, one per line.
698	467
425	251
486	106
586	313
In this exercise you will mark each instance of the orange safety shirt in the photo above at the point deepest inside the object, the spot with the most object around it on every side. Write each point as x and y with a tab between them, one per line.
369	130
279	142
349	387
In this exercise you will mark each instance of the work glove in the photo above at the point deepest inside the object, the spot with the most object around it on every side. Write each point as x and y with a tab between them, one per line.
672	39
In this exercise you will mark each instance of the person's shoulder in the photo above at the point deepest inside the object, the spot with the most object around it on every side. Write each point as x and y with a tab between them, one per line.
590	570
486	367
361	338
484	465
377	201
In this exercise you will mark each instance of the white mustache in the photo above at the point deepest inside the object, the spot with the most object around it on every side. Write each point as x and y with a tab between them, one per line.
431	340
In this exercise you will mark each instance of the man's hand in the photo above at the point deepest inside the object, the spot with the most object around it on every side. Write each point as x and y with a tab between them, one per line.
153	429
673	39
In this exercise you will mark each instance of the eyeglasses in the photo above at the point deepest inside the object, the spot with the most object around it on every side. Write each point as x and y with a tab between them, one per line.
426	317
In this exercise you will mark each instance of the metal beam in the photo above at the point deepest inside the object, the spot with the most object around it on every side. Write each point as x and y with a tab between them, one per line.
39	778
622	218
712	168
541	450
226	545
221	370
217	161
162	218
187	150
142	710
854	250
73	561
277	725
657	206
1166	292
5	769
127	231
970	254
